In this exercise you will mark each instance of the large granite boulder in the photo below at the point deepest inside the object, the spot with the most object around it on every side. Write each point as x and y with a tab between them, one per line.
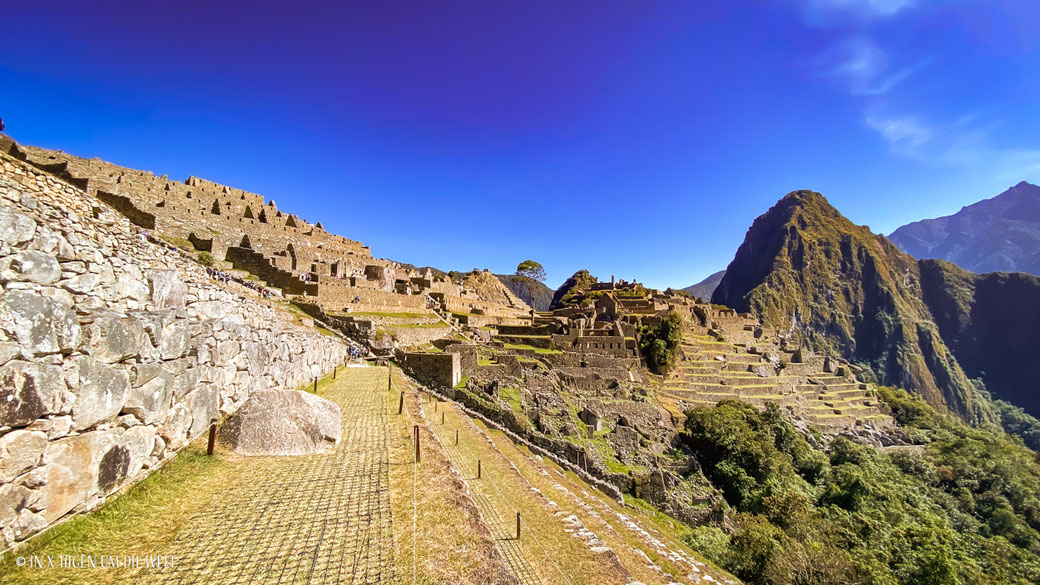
282	422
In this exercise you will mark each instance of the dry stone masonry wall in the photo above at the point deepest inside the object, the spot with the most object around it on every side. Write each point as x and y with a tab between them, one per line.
115	351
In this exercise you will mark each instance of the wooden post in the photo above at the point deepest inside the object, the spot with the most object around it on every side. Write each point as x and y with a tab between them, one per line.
435	401
478	468
518	525
456	436
400	404
315	384
389	376
212	436
442	417
334	368
418	457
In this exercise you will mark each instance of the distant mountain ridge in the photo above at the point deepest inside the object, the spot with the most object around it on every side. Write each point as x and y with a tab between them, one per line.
997	234
705	288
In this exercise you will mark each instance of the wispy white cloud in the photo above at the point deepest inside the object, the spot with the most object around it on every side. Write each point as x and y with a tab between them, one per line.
906	133
965	142
863	67
826	12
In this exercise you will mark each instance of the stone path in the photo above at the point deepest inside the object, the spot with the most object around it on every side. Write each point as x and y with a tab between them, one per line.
310	519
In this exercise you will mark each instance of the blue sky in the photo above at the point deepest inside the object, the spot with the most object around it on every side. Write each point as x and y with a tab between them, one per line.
639	139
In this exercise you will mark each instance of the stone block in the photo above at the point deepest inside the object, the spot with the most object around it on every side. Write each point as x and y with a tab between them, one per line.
100	393
15	228
29	390
114	338
40	325
70	471
20	451
167	289
283	422
150	402
31	266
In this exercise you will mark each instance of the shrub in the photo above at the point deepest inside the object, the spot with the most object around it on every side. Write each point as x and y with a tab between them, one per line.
205	258
660	343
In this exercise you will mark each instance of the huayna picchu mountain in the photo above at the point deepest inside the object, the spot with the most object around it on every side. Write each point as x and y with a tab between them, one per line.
805	268
925	325
997	234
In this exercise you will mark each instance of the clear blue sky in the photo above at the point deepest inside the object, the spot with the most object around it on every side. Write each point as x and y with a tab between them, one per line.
631	138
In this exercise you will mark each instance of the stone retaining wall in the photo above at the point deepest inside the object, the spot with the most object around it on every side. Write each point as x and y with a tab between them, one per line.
441	370
115	351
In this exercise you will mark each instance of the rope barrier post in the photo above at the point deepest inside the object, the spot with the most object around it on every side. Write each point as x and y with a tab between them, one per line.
315	384
418	457
400	404
478	468
334	368
442	417
456	436
518	525
212	436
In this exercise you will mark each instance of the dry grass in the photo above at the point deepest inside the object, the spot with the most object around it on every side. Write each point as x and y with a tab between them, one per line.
450	544
599	514
549	545
140	522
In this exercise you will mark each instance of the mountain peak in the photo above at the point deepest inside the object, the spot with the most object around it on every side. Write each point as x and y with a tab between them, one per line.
804	267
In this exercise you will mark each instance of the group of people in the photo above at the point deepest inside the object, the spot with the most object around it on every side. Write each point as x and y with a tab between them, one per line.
226	277
357	351
218	275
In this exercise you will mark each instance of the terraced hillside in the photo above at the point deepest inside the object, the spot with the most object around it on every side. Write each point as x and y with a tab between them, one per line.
741	361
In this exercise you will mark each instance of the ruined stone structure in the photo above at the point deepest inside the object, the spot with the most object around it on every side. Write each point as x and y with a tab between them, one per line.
116	350
287	253
572	381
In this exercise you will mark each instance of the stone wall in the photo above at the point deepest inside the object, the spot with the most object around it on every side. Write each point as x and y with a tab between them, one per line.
115	351
441	370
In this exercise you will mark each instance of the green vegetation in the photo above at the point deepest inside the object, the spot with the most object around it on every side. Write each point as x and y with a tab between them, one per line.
541	350
435	325
660	343
205	258
573	287
962	509
390	315
531	269
513	398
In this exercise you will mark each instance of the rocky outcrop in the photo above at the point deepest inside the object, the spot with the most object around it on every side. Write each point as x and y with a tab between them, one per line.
115	351
282	422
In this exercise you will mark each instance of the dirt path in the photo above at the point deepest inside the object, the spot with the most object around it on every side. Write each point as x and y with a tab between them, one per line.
312	519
